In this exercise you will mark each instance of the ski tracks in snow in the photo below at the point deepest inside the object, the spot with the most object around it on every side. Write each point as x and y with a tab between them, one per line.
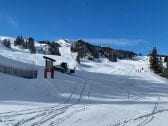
141	120
48	116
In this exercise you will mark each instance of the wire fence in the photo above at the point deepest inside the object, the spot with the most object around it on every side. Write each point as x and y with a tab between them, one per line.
26	73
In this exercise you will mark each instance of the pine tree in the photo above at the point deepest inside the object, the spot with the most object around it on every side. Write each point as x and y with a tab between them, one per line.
166	69
54	48
19	41
78	59
155	61
6	43
31	45
167	65
26	46
166	59
114	58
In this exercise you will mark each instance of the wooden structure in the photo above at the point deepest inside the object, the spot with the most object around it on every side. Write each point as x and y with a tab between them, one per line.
49	67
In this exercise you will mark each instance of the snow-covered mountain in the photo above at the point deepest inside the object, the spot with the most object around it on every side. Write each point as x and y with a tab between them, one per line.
65	49
123	93
63	42
80	49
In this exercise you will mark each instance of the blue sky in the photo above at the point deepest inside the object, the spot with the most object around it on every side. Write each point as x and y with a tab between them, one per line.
136	25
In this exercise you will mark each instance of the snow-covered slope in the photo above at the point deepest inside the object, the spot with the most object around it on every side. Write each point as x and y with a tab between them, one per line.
100	93
25	56
12	39
63	42
65	49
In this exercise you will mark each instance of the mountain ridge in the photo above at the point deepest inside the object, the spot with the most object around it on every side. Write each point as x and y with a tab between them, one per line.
84	50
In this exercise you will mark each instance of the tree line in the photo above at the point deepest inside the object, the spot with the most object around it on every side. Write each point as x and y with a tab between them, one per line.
22	43
53	48
25	44
91	52
6	43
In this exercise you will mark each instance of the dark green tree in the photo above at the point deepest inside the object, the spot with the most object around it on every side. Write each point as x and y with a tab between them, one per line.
26	46
19	41
155	61
54	48
166	59
78	59
166	70
31	45
6	43
167	65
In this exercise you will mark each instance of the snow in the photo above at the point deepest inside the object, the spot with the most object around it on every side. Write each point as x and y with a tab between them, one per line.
63	42
65	49
36	59
12	39
100	93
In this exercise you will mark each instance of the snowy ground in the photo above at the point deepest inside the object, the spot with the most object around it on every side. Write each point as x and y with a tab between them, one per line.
100	93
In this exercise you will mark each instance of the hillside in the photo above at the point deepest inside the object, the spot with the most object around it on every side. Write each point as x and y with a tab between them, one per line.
91	52
25	56
83	50
99	93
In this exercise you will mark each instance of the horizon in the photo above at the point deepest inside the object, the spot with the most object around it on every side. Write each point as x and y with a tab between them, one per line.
130	25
